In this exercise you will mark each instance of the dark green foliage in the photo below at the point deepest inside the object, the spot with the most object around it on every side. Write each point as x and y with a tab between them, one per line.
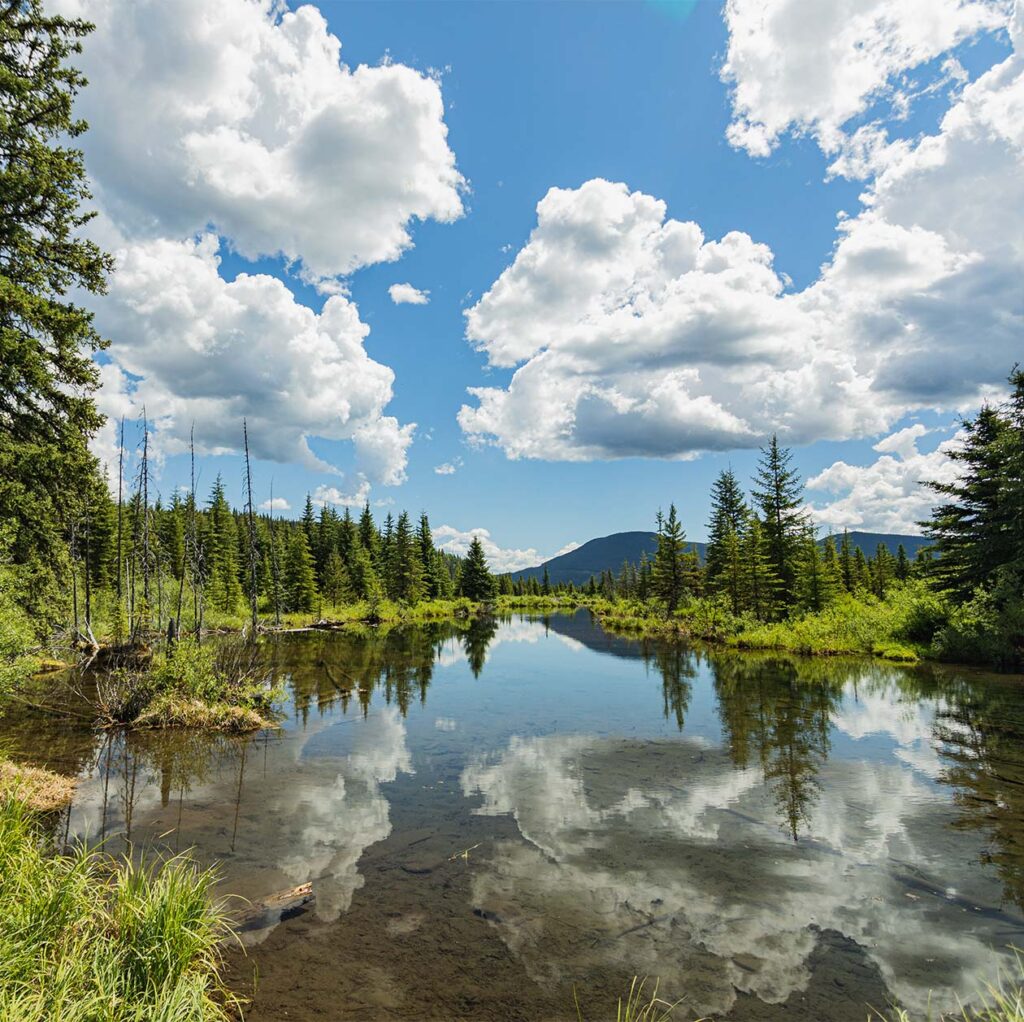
299	579
223	585
47	378
778	495
728	515
475	579
668	574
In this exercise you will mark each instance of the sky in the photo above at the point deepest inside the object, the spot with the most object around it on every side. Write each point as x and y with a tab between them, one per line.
540	269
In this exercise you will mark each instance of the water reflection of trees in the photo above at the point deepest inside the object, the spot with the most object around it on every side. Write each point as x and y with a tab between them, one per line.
329	669
772	715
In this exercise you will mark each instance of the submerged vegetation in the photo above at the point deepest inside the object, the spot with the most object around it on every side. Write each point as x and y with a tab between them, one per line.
87	939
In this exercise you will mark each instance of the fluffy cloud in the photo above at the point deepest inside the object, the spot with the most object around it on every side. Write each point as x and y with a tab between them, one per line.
333	495
448	468
406	294
240	115
810	68
500	559
632	334
191	347
887	495
277	504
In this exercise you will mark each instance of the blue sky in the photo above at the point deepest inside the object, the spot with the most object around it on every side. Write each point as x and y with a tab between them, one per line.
554	95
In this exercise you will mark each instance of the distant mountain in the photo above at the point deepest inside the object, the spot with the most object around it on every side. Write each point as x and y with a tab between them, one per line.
609	553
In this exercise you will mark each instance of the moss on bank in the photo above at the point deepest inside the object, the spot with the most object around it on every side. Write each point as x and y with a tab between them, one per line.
39	789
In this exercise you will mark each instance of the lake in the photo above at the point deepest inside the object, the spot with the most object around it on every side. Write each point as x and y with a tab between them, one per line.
493	813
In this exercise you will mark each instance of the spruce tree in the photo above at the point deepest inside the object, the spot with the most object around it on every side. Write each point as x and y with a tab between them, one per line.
846	571
728	515
407	569
815	583
336	579
47	377
973	532
668	573
308	521
778	495
545	586
475	579
902	563
223	586
299	579
760	583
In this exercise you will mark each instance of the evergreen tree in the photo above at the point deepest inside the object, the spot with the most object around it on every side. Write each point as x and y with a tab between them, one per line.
299	579
973	532
815	583
728	516
407	571
47	377
760	583
365	582
368	536
861	574
475	579
778	494
308	521
545	586
846	570
668	574
386	557
902	563
336	579
223	586
730	577
431	568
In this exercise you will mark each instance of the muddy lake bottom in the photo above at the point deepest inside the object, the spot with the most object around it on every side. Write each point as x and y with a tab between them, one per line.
495	813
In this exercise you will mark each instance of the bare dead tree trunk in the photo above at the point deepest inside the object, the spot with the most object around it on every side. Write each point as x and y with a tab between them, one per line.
253	549
120	516
146	552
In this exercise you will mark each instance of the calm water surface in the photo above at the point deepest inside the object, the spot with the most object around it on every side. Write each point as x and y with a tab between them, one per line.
493	812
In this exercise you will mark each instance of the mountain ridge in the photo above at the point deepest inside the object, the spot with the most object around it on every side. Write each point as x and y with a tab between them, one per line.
605	553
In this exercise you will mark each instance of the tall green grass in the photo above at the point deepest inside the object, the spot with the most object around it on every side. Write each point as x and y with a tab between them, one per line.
86	939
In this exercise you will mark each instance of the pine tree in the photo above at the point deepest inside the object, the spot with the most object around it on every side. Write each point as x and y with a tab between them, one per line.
365	582
386	557
475	580
431	568
778	494
668	575
861	574
728	515
545	586
299	580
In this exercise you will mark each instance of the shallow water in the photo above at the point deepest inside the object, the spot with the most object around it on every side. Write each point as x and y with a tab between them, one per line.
493	813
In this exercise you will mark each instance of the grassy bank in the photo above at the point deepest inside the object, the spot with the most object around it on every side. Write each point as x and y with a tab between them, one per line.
911	623
87	939
217	686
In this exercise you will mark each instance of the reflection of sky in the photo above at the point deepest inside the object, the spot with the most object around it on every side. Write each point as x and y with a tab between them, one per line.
631	830
621	833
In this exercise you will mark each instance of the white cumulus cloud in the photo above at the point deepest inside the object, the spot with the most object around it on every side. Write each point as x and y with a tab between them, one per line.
277	504
888	495
500	559
809	67
631	333
241	115
448	468
193	348
406	294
